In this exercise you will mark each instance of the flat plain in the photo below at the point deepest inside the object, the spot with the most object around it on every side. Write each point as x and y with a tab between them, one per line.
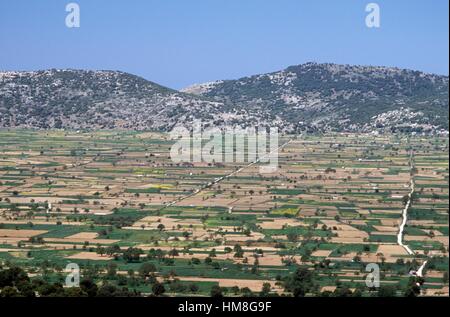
115	204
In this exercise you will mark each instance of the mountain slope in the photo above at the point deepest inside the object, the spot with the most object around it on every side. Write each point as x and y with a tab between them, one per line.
78	99
311	97
339	97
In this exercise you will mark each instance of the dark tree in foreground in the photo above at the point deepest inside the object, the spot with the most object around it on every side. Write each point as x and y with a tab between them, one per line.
300	282
413	287
158	289
387	291
216	291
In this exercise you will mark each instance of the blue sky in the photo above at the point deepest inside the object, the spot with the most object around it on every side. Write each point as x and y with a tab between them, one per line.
180	42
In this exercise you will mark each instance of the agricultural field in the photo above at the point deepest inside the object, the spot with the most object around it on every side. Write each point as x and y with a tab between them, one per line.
115	204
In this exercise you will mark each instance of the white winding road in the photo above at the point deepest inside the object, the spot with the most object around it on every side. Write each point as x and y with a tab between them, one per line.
405	211
419	272
404	219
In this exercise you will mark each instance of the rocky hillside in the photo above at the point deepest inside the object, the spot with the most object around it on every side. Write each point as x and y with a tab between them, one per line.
76	99
311	97
339	97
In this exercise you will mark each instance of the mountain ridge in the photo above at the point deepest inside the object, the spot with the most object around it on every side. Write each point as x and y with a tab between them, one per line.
306	97
187	88
327	95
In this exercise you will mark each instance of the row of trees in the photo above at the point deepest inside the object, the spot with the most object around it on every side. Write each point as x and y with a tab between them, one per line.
14	282
304	281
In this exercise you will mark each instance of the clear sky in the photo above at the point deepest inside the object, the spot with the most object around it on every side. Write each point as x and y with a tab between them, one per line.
180	42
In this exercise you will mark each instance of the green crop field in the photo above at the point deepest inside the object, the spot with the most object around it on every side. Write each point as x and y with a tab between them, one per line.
116	205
